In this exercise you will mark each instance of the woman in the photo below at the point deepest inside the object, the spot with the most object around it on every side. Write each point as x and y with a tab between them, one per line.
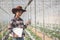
17	22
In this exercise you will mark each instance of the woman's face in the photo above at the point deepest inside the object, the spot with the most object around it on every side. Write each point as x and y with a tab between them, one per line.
19	13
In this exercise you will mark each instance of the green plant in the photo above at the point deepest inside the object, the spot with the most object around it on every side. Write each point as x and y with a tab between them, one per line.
34	35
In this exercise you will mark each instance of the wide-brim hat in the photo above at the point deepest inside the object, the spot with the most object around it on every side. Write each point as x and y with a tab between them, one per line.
18	8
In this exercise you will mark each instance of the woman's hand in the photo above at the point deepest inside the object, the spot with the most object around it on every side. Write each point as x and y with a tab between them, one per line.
28	22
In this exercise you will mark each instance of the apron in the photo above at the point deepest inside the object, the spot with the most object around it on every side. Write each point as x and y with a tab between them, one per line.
16	32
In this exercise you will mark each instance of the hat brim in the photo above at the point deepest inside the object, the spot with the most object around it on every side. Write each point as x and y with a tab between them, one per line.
14	10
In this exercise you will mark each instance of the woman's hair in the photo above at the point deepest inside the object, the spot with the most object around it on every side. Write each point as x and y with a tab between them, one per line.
15	15
14	11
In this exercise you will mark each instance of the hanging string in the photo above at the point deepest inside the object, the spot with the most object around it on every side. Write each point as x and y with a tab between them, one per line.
56	18
35	14
30	13
12	3
1	26
2	8
43	22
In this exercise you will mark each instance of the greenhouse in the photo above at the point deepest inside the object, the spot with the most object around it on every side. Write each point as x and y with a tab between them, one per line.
43	14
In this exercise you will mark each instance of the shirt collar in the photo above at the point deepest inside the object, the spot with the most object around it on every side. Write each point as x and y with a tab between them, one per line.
16	18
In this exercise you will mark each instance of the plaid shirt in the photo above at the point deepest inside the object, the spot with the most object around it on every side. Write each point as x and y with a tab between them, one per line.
17	22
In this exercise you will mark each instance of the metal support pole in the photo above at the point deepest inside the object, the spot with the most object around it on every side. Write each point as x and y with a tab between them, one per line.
43	22
35	14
